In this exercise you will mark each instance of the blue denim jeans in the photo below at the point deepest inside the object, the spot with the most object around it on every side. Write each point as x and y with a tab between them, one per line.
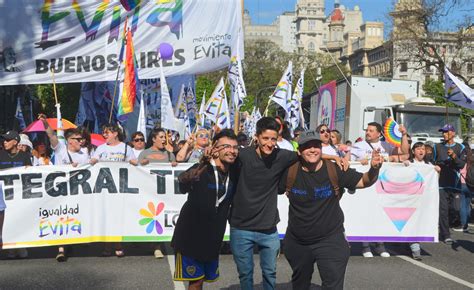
465	210
242	243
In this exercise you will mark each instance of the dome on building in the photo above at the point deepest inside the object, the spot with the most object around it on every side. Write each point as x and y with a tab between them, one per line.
337	15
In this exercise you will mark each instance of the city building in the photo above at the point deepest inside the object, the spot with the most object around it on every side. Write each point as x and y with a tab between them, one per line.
402	56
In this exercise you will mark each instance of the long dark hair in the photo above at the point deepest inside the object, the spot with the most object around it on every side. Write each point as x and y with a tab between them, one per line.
412	152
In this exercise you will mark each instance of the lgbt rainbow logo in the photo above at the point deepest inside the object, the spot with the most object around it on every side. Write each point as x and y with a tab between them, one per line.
150	217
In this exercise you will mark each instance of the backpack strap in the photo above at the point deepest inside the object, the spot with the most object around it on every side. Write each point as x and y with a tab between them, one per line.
333	178
290	179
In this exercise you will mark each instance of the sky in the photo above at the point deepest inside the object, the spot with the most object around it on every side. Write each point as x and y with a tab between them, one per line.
266	11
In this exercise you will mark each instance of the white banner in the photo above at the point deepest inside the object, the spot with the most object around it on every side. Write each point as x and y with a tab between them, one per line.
81	39
59	205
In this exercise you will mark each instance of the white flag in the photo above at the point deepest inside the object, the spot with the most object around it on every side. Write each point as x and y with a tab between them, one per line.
202	109
282	93
141	125
223	117
60	131
168	120
214	103
236	79
180	108
191	106
457	91
295	111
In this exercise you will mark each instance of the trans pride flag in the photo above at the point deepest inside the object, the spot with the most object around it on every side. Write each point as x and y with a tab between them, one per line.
131	82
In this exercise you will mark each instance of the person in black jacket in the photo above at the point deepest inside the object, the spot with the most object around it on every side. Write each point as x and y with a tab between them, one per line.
202	221
451	157
315	232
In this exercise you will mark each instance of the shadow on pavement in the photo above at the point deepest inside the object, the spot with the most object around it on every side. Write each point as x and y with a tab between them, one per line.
280	286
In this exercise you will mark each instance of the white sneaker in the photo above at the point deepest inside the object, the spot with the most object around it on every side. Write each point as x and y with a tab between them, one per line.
385	255
158	254
22	253
367	255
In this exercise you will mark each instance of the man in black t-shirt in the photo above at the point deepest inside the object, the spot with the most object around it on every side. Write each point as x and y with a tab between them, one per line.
315	232
254	213
10	157
202	221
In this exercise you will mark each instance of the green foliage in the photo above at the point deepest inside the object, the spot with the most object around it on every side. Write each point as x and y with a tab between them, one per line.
263	67
435	90
68	97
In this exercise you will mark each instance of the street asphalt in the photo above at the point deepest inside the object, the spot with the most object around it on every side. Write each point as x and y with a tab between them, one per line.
442	267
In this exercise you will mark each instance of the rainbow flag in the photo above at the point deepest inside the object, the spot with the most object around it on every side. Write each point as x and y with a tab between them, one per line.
130	81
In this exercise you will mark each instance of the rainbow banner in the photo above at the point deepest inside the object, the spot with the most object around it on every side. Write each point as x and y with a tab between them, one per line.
130	82
118	202
391	132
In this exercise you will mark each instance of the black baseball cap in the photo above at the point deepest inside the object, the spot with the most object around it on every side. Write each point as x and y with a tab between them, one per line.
11	135
307	136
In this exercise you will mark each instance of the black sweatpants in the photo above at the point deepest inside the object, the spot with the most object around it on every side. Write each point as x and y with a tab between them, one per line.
331	255
448	203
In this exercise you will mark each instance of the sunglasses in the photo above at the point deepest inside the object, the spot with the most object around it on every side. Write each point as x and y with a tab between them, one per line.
227	147
322	131
78	139
139	140
203	136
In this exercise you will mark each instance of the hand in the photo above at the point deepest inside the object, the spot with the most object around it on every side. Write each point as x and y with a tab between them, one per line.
133	162
406	163
93	161
437	168
377	160
451	153
342	163
174	163
402	129
364	161
190	140
42	116
74	164
145	161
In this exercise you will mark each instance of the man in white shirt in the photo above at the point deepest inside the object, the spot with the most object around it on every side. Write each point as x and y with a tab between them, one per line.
361	151
69	153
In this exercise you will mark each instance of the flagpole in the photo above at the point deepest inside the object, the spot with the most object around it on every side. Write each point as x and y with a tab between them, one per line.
118	71
54	86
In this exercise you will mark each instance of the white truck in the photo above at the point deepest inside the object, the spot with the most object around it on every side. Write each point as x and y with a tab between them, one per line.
367	100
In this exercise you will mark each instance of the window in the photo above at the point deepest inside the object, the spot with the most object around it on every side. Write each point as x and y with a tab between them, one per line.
311	24
311	46
403	67
469	68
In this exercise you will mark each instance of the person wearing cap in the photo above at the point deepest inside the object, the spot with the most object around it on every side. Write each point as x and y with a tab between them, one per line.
315	232
11	156
451	157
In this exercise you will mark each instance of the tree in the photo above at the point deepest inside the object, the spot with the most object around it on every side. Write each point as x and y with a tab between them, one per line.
68	97
263	67
435	90
420	42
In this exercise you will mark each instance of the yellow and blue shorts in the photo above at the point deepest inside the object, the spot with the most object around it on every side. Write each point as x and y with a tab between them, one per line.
188	269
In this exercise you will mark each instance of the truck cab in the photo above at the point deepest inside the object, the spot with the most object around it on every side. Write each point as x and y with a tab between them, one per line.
420	116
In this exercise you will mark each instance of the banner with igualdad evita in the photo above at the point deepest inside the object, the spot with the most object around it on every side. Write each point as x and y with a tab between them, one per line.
118	202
